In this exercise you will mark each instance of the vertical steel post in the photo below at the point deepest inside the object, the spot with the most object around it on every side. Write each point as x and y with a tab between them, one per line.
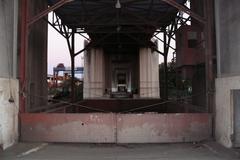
208	31
23	53
25	24
165	65
72	54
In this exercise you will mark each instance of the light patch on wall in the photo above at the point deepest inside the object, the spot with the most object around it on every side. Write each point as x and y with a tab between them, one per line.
1	139
8	113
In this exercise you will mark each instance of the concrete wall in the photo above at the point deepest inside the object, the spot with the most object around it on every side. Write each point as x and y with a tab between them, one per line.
228	37
36	66
228	58
83	128
8	73
94	73
8	27
163	128
8	112
37	58
224	109
149	74
116	128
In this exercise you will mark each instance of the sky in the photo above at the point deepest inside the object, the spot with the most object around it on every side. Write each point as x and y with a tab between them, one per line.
58	50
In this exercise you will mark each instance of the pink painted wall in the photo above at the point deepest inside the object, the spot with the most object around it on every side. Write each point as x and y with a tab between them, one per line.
112	128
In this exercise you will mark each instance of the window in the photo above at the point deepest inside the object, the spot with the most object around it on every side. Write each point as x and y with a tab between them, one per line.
192	39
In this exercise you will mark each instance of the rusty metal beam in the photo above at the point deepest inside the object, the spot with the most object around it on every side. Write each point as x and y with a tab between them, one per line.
92	44
156	50
47	11
72	55
208	32
165	65
88	46
163	42
23	52
25	23
186	10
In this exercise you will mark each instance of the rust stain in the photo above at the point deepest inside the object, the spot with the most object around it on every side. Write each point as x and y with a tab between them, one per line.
112	128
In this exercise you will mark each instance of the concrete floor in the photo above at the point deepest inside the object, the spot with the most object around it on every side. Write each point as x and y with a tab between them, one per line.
36	151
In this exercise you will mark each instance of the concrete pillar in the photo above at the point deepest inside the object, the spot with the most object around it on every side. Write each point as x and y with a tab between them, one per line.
149	73
9	89
228	48
8	38
37	58
94	73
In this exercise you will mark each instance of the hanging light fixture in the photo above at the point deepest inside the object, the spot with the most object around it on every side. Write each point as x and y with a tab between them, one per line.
118	4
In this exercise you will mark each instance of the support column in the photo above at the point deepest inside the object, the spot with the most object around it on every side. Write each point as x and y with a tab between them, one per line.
9	85
94	74
165	66
208	30
35	84
72	52
149	73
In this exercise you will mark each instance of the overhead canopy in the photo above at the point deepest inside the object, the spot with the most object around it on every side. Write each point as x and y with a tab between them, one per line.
118	22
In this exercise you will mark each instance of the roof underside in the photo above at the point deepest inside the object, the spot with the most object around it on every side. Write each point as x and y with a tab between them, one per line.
133	24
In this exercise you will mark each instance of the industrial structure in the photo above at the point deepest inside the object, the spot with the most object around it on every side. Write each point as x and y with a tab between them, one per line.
123	102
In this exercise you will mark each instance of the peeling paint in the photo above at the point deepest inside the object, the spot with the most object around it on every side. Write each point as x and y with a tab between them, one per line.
115	128
164	128
224	109
86	128
8	113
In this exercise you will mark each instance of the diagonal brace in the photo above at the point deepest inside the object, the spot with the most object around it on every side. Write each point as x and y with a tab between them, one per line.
186	10
45	13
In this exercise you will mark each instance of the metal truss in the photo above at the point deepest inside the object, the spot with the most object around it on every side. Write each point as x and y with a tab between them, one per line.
169	31
57	24
142	24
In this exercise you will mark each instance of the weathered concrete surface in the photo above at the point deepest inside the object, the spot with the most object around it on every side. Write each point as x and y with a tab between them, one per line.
228	39
203	151
115	128
228	58
36	58
224	109
163	128
94	73
85	128
8	112
149	73
8	85
8	38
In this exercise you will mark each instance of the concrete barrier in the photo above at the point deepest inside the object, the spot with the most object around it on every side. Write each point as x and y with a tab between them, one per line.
115	128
